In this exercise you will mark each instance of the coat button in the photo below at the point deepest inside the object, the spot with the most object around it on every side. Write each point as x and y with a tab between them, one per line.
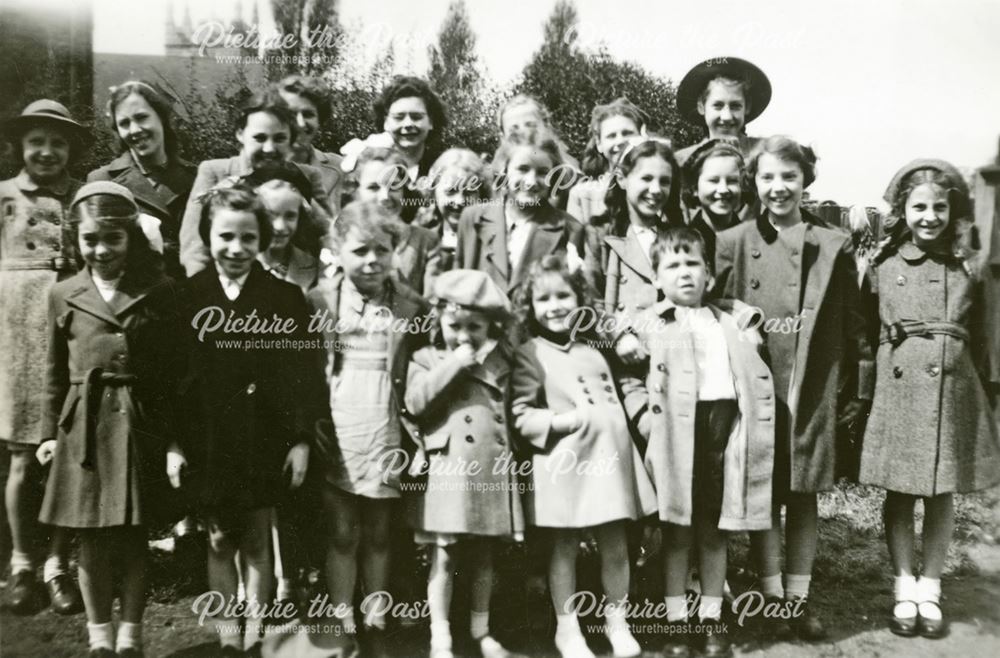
251	388
590	400
897	372
580	379
30	245
468	419
755	253
611	400
586	391
795	252
621	306
469	439
900	280
604	376
662	367
933	371
656	409
500	441
754	283
657	388
624	279
498	418
607	389
32	221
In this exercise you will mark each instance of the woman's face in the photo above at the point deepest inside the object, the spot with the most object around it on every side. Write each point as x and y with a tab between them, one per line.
283	204
103	248
306	117
724	109
140	128
408	122
928	212
614	135
265	138
46	153
383	183
719	185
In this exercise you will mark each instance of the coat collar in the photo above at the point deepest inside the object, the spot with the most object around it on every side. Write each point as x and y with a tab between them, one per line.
629	251
770	234
60	188
132	290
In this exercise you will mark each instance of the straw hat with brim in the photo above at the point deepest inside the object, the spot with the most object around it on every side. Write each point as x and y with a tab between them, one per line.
695	81
43	112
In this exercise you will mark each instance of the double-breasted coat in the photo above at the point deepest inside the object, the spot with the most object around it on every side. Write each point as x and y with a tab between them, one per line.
931	430
35	252
249	393
630	283
161	191
472	485
832	349
407	333
672	383
482	244
110	400
193	252
595	474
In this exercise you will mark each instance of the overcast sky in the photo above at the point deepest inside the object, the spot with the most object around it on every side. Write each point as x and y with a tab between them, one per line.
870	84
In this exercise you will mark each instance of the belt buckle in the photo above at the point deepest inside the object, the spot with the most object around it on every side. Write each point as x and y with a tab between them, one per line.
897	333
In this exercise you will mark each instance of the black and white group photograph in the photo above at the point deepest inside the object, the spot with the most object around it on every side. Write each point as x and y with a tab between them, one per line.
499	328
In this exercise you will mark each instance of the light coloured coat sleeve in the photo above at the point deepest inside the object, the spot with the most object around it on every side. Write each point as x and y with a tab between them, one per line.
194	254
532	418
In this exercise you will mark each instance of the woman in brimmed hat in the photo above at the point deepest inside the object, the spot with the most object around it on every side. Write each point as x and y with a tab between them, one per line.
150	165
723	94
34	254
931	432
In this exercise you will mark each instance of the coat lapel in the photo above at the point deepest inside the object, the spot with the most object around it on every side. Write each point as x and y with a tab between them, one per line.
130	292
85	297
492	231
545	238
629	251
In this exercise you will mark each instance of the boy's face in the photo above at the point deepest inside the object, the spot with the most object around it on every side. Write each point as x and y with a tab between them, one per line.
461	326
234	241
46	153
283	204
724	109
103	248
527	176
683	276
366	257
408	122
265	138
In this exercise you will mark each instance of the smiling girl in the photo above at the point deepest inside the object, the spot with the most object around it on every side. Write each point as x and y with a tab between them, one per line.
34	255
931	433
713	177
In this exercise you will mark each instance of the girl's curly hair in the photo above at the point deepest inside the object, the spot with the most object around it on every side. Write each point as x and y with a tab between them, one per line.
616	216
554	265
593	162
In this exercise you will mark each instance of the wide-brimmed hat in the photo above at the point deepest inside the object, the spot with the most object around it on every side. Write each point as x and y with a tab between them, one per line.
694	82
41	112
953	177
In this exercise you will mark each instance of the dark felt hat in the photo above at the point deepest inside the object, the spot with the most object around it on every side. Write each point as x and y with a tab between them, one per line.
695	81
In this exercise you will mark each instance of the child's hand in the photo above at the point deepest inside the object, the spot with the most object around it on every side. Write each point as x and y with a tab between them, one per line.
46	451
419	463
567	422
630	350
297	461
853	411
176	463
466	355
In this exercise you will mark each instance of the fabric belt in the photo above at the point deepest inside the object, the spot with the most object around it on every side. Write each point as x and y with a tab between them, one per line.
92	385
59	264
897	332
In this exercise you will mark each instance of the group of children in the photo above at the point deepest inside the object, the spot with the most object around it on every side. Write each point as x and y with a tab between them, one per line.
684	344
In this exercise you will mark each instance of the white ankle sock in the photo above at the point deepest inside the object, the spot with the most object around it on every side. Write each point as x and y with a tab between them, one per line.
618	633
710	607
229	632
479	624
440	635
284	589
490	648
347	619
102	636
569	639
929	597
20	561
797	586
54	566
677	608
904	590
129	635
771	587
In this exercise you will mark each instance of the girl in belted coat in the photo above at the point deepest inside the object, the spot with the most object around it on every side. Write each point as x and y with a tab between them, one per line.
457	391
931	433
573	411
116	353
35	253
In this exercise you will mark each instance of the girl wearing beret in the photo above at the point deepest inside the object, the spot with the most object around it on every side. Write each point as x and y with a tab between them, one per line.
713	185
802	275
575	413
35	253
931	433
457	391
116	355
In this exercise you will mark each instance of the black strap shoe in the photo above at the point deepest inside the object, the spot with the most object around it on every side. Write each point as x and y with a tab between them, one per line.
25	595
806	623
678	644
64	595
904	626
932	629
716	642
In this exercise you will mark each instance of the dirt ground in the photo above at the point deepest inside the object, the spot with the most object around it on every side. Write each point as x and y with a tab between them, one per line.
851	590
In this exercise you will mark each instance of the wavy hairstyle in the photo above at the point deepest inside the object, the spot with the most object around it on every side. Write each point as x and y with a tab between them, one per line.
161	103
616	217
368	217
786	149
311	89
692	170
554	265
593	162
115	211
408	86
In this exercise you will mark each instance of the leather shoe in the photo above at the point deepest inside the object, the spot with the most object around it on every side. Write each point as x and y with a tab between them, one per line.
25	595
716	642
130	652
678	643
932	629
807	624
904	626
101	653
64	595
774	618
